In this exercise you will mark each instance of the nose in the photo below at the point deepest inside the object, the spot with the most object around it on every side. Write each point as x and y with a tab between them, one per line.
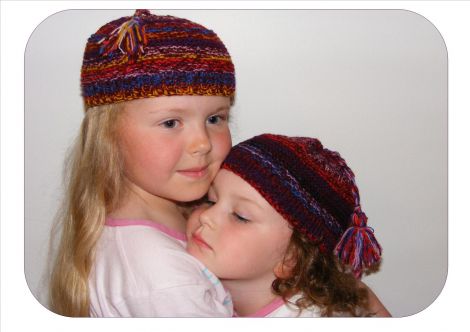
200	143
206	218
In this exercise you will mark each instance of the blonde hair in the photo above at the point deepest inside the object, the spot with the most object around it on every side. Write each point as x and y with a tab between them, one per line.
94	182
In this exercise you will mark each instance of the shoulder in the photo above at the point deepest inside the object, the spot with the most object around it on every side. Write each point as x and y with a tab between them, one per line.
144	273
153	259
290	309
375	305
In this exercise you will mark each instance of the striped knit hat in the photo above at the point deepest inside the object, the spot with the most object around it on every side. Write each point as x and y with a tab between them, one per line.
146	55
313	189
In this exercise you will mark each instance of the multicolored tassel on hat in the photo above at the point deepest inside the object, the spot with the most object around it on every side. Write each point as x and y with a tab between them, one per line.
358	247
129	38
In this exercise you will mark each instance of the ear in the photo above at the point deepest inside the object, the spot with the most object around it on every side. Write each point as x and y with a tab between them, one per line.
283	268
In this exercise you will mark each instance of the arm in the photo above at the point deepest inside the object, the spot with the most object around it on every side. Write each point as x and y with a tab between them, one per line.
374	303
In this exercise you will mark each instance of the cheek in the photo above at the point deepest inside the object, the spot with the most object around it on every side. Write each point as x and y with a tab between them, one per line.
149	152
243	254
251	254
221	143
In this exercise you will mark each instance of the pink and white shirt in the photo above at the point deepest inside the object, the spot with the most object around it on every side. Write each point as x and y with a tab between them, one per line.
278	308
141	269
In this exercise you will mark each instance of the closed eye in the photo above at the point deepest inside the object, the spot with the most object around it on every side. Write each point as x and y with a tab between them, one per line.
240	218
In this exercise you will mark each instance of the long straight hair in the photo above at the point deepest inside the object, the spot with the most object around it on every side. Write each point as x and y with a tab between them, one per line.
94	184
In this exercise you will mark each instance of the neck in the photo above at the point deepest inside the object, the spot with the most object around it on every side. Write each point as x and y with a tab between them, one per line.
250	296
139	204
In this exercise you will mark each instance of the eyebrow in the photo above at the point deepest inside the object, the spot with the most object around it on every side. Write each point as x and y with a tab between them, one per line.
165	110
249	201
183	110
223	108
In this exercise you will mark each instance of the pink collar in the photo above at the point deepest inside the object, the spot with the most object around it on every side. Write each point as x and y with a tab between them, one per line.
269	308
141	222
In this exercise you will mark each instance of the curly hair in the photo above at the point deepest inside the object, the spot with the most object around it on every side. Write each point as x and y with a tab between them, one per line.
320	280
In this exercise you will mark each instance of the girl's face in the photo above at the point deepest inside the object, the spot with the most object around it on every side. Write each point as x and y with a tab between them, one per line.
237	234
173	146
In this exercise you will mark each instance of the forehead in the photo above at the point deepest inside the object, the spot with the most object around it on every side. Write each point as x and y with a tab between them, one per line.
228	182
182	103
231	188
229	185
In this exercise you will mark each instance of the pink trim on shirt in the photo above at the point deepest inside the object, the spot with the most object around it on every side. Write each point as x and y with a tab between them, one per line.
141	222
266	310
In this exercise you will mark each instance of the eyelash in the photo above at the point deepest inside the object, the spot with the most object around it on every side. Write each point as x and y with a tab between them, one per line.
240	218
236	215
221	118
166	123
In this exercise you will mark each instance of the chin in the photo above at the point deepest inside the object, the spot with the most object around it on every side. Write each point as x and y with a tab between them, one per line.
192	196
190	250
195	252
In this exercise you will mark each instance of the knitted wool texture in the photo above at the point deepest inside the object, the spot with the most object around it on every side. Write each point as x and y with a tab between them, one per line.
313	189
147	55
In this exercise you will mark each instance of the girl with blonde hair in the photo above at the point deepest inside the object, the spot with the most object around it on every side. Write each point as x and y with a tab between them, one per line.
157	93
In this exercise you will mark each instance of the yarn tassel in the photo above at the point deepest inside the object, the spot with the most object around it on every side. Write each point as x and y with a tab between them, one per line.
129	37
358	246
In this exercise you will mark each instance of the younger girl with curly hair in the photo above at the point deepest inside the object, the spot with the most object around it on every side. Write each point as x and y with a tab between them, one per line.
283	229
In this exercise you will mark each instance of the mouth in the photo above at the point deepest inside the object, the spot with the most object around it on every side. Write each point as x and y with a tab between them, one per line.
195	172
200	242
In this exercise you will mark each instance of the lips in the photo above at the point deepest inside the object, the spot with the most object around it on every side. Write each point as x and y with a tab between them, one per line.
195	172
200	242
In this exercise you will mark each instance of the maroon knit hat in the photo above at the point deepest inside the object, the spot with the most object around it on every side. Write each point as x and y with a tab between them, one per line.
313	189
147	55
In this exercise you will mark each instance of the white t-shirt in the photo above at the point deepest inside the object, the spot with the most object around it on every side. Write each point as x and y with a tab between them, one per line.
141	269
278	308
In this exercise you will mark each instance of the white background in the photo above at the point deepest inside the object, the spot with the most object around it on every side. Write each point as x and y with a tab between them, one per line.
17	302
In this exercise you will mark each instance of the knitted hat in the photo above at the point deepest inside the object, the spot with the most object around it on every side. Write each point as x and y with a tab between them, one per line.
313	189
146	55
